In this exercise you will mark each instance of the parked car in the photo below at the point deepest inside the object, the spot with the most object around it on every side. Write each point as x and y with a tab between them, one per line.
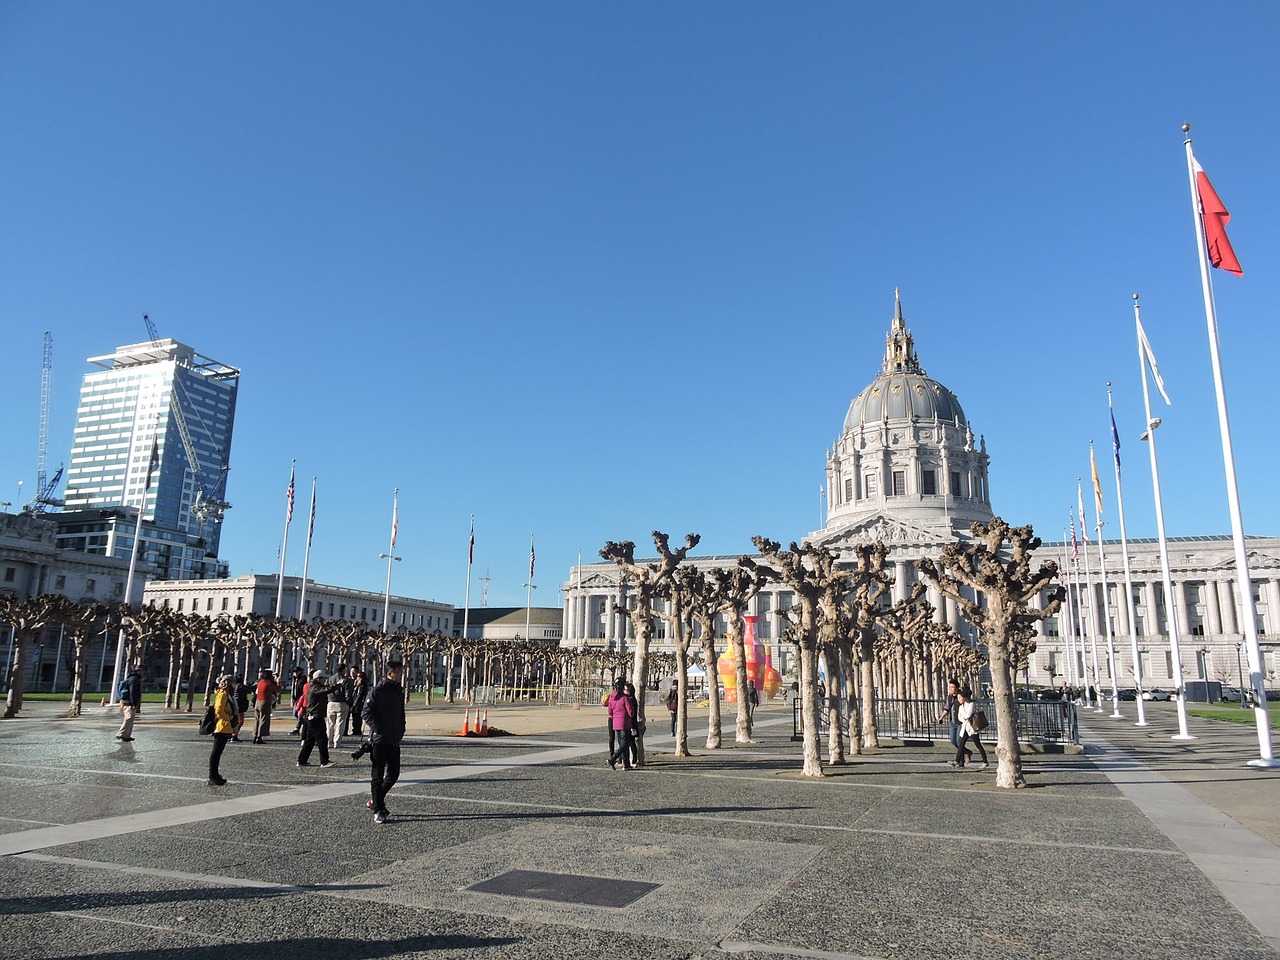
1128	693
1230	694
1155	693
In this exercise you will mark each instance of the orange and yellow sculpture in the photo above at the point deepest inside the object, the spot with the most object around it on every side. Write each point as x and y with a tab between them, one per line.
760	671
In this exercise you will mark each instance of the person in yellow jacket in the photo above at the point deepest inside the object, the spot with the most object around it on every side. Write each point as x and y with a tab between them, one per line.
224	707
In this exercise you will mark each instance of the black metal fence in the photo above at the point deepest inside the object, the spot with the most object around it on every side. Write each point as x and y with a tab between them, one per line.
1049	721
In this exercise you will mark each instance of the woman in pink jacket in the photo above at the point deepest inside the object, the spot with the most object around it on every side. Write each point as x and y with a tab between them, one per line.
622	720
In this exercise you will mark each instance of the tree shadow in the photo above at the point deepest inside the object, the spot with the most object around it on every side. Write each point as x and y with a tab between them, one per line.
213	894
346	948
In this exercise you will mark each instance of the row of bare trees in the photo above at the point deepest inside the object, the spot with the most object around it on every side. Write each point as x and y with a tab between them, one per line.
843	616
190	650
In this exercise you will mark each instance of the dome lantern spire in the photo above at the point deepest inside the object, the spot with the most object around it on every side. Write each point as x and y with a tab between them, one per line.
899	352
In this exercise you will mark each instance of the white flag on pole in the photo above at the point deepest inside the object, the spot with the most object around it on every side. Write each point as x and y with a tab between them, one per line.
1150	356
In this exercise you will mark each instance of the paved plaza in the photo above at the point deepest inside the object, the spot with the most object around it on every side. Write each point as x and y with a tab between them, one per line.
528	845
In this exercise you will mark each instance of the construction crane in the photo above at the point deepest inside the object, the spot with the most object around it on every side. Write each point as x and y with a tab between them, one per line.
209	503
45	487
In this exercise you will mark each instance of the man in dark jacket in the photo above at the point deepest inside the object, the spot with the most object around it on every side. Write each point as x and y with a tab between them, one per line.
315	704
130	704
383	715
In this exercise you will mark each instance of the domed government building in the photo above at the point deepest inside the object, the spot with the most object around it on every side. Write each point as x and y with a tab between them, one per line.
908	469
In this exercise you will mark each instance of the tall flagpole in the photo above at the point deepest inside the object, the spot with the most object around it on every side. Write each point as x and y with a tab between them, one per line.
390	557
152	464
471	555
528	609
306	557
1244	582
1106	599
1092	619
284	546
1130	608
1170	605
1080	631
1070	615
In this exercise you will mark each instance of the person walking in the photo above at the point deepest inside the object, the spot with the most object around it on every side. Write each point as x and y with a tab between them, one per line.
339	711
622	720
224	708
266	695
359	691
315	705
383	715
949	709
673	704
242	707
297	689
130	704
968	732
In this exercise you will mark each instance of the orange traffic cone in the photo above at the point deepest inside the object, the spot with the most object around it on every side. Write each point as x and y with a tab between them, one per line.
484	724
466	723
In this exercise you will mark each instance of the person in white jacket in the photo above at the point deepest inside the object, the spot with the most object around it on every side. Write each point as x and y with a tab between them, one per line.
967	732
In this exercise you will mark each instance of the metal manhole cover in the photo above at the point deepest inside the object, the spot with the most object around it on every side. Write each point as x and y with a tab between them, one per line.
565	888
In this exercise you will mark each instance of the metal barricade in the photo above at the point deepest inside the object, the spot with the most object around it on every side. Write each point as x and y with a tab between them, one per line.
1051	721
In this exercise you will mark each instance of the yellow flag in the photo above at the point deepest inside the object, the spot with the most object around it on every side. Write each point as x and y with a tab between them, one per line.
1097	487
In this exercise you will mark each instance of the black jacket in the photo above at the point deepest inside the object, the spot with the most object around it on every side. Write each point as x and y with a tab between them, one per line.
384	712
317	700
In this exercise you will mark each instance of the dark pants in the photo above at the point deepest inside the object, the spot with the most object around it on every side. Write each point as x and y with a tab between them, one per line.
215	755
385	773
962	754
313	735
355	726
624	749
673	723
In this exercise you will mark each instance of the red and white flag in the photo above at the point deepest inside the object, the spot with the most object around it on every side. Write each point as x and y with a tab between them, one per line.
1214	218
395	519
288	516
531	558
471	547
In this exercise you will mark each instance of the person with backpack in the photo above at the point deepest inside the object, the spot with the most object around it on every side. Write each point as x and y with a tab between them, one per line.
968	729
315	706
130	695
224	709
622	720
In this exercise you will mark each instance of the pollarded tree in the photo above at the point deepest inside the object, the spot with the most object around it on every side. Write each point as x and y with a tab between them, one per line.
27	618
682	593
996	566
645	579
808	570
905	624
732	591
870	582
81	623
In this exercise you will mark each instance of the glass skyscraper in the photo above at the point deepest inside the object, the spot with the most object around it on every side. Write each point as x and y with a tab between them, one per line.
153	432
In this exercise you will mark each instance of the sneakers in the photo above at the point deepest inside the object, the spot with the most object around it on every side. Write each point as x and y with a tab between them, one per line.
983	766
952	763
369	804
327	764
612	764
380	817
124	739
217	781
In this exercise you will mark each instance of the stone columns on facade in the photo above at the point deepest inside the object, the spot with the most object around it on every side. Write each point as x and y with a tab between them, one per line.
1212	613
1226	593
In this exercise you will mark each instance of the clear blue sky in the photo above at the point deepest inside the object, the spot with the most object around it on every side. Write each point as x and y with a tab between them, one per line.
586	270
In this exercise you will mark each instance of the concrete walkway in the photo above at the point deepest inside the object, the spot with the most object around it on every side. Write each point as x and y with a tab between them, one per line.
528	845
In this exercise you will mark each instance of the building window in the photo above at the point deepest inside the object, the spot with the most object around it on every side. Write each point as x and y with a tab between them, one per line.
10	574
364	613
1168	664
899	483
58	582
342	612
208	605
90	585
872	485
1144	663
226	602
180	599
848	489
929	483
955	484
239	603
1051	627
